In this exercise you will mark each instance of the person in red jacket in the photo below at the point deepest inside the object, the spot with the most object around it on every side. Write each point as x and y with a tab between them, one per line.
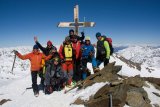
76	56
35	58
66	55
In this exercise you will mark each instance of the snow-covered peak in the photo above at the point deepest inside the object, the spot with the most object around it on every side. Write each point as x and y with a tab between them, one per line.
21	68
146	55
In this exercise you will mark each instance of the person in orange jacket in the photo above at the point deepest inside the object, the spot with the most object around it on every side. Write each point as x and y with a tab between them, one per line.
35	58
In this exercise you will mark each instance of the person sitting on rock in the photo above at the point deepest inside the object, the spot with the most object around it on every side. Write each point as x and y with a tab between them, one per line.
54	77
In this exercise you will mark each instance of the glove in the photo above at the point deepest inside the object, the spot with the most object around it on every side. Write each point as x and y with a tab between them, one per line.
35	39
106	61
91	53
52	51
63	60
82	33
82	49
58	74
15	52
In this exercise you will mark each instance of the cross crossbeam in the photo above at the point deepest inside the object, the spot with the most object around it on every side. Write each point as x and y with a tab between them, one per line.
76	24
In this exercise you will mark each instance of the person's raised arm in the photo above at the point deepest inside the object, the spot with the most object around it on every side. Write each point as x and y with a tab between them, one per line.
39	45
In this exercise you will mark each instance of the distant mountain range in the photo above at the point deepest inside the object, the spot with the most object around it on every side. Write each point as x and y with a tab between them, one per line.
146	55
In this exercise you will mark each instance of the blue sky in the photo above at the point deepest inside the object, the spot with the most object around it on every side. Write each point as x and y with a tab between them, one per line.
125	21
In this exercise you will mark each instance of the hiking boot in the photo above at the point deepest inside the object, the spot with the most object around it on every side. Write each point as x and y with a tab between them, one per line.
74	83
69	86
48	89
36	93
63	86
69	81
96	69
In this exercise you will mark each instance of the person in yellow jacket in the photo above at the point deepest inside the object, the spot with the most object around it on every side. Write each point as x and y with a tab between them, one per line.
103	50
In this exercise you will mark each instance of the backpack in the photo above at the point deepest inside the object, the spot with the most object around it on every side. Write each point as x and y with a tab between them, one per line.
109	40
68	52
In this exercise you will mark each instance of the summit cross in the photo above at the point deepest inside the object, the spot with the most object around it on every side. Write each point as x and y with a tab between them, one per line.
76	24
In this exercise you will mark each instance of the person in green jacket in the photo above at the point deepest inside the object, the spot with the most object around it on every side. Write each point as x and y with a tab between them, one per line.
103	50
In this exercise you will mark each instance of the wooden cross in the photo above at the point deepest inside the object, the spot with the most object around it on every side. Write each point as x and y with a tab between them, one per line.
76	24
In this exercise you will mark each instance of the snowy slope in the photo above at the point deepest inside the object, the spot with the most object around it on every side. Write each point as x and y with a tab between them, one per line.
146	55
21	68
14	87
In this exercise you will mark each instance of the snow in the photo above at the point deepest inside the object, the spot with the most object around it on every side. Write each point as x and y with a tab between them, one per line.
13	86
84	94
154	99
16	91
147	55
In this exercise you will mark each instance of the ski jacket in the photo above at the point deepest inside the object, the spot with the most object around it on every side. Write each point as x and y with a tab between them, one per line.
46	50
35	59
76	48
103	49
79	38
54	70
86	50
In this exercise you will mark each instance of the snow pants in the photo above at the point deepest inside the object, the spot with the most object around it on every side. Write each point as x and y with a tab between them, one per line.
67	68
34	81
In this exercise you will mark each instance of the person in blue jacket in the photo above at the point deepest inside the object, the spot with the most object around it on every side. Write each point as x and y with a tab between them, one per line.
88	55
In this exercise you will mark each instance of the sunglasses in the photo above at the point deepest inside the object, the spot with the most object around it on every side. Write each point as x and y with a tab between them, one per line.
49	45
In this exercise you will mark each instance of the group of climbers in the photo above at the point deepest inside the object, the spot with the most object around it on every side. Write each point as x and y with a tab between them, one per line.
67	66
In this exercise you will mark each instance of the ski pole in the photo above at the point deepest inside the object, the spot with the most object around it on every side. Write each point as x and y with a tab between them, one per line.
26	90
110	99
13	63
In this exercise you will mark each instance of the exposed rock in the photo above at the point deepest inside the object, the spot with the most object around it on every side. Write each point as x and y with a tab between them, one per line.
103	102
4	101
140	90
116	82
79	102
116	69
134	81
149	69
119	92
101	98
136	99
100	102
152	80
130	63
127	90
157	94
106	74
88	83
122	76
156	86
156	105
103	91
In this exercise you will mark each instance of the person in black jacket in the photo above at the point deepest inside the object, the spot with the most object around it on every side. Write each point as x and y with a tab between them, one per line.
72	35
46	50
